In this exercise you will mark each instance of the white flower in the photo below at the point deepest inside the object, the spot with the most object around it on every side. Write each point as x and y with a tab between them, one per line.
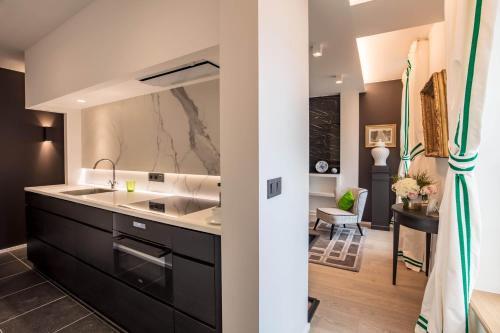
405	186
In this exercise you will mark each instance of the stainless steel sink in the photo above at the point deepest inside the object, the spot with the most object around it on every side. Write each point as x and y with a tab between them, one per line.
88	191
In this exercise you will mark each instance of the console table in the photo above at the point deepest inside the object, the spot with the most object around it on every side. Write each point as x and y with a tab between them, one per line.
417	220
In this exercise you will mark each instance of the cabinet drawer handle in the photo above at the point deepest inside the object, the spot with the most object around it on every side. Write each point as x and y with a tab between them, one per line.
139	225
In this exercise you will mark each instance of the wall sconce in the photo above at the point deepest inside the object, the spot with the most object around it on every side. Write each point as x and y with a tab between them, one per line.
48	133
317	50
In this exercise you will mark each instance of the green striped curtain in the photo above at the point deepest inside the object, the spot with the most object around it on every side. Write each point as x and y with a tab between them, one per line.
445	306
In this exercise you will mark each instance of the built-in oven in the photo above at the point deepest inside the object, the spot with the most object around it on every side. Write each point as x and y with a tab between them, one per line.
144	265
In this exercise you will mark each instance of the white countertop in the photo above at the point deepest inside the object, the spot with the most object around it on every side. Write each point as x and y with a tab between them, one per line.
204	220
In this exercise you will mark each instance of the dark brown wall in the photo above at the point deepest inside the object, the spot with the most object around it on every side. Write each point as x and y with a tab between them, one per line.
25	160
380	104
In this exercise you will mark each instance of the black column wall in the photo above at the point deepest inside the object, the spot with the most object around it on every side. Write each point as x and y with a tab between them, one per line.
25	160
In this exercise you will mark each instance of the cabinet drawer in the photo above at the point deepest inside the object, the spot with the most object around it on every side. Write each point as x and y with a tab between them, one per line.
194	244
53	263
149	230
93	216
194	289
185	324
52	229
88	244
127	307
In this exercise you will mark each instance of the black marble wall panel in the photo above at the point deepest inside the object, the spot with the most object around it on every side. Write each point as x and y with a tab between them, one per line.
324	131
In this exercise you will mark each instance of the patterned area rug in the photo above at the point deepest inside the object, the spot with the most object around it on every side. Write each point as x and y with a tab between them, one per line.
344	251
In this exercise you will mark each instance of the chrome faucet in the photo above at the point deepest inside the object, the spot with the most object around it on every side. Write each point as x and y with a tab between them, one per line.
111	182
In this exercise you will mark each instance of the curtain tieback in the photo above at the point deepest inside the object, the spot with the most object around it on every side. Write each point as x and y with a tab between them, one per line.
462	164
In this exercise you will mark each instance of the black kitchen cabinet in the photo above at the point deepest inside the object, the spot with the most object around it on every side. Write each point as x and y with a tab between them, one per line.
125	306
86	243
185	324
95	217
79	247
195	296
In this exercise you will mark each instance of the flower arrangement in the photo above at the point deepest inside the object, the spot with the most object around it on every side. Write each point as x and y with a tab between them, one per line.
414	187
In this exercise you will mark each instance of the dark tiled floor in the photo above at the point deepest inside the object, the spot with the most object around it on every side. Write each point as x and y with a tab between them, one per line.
30	303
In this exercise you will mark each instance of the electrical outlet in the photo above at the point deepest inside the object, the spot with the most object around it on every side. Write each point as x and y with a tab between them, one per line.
273	187
156	177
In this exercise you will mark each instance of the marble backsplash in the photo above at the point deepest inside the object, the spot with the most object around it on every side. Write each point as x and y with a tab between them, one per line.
174	131
196	186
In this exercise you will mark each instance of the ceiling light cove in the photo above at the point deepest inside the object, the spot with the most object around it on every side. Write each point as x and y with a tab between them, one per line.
81	101
383	56
358	2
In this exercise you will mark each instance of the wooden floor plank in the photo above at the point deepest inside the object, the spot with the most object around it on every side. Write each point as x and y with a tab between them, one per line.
367	301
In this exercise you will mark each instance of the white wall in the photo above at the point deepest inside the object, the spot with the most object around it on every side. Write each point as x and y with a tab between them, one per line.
283	152
436	167
349	139
109	40
437	46
487	177
264	134
73	146
239	165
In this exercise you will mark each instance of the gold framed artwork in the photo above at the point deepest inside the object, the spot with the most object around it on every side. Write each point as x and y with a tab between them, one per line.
386	133
435	115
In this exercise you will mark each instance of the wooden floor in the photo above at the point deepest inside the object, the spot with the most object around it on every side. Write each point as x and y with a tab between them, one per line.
367	301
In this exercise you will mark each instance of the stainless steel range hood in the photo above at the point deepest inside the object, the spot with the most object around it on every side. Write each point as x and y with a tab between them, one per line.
183	74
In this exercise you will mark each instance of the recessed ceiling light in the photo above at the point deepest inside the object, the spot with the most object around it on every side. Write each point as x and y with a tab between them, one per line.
317	50
81	101
338	82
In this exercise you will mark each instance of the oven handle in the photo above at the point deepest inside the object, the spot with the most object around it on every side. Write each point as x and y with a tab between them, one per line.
157	261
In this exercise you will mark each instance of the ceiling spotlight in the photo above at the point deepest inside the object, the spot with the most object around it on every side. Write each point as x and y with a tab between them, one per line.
339	79
317	50
81	101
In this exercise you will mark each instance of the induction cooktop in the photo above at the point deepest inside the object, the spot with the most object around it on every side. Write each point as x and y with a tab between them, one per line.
175	206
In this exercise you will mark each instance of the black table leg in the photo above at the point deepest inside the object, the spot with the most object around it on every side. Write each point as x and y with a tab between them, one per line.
427	252
395	251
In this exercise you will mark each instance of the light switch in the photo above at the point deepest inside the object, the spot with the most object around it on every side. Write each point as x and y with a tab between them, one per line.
273	187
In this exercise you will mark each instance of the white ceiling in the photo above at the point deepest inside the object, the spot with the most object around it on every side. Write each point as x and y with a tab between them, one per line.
384	55
126	87
24	22
337	24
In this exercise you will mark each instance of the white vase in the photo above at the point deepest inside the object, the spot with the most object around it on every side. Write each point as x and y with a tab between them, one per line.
380	153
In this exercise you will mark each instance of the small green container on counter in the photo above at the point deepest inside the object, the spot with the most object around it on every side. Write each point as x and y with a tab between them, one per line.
130	185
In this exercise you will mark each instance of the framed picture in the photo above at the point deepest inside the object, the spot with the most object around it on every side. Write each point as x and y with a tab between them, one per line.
386	133
435	116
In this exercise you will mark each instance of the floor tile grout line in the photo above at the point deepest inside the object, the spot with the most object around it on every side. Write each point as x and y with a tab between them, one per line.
21	260
8	276
92	311
8	262
77	301
36	308
18	258
74	322
56	286
24	289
